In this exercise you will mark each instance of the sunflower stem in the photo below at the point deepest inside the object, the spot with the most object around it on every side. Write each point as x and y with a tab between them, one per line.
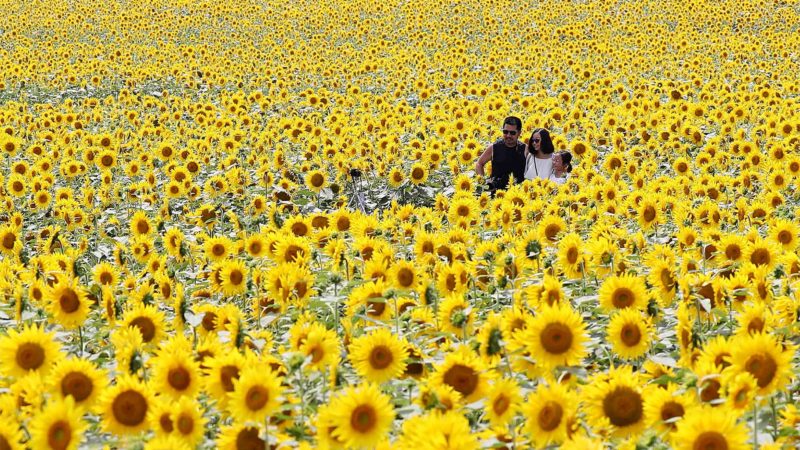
774	417
80	341
755	424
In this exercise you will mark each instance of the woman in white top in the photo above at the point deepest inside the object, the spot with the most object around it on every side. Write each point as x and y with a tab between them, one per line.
538	155
562	166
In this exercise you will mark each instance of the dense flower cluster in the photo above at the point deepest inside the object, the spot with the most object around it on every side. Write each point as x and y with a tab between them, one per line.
249	224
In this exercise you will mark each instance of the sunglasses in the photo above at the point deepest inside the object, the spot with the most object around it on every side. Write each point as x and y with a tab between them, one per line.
536	141
511	132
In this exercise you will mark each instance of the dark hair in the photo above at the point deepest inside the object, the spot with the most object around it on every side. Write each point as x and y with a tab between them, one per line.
547	144
513	120
566	160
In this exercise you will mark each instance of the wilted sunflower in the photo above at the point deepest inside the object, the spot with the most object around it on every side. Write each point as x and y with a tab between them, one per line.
31	349
556	336
379	356
362	416
710	428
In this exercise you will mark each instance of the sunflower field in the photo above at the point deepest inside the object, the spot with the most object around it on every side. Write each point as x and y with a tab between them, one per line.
253	224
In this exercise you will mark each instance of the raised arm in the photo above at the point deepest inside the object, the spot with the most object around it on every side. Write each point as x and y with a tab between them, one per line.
486	156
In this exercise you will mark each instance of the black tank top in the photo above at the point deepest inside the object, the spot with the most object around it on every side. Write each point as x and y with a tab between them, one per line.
507	161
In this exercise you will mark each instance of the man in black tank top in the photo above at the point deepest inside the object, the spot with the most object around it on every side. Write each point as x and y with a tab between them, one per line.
507	155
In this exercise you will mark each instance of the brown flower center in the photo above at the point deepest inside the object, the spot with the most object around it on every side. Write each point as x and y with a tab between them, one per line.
364	418
106	278
572	255
762	367
622	298
166	423
59	435
649	214
248	439
78	385
185	424
142	227
146	327
226	376
30	356
556	338
501	404
69	301
760	257
236	277
256	397
710	391
179	378
380	357
670	410
405	277
8	240
710	440
623	406
129	408
550	416
630	335
462	378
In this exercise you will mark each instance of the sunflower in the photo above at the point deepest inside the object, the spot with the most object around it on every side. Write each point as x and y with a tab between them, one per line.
31	349
438	430
740	390
649	213
233	275
292	249
550	227
148	320
405	275
369	298
238	436
663	408
571	258
176	373
128	349
379	356
623	291
140	224
556	336
68	303
784	233
615	402
765	358
321	347
58	426
762	252
173	241
10	435
255	245
125	406
418	174
456	316
547	412
710	428
105	274
80	380
221	370
503	401
218	248
10	243
629	334
256	394
755	317
362	416
492	340
464	371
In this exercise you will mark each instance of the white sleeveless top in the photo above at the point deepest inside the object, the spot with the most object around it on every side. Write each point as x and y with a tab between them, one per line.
538	168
